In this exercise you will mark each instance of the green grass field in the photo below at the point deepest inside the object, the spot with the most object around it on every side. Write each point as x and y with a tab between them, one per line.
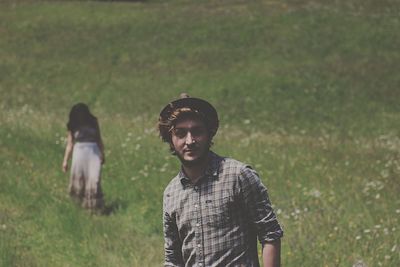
307	91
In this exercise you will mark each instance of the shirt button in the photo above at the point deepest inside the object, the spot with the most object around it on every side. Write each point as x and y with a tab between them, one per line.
198	245
196	206
197	224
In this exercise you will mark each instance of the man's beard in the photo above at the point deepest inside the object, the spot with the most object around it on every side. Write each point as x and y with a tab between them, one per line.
195	162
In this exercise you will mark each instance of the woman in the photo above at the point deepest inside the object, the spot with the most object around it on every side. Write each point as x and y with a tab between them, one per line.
85	144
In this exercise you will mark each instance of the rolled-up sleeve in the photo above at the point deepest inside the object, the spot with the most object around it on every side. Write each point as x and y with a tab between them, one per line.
258	206
172	243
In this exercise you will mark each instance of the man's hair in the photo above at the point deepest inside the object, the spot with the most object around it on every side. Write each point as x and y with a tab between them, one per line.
165	127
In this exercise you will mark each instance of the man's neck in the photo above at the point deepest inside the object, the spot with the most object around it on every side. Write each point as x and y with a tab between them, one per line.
195	171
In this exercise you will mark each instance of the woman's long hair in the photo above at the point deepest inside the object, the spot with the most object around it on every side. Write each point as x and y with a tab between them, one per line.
80	116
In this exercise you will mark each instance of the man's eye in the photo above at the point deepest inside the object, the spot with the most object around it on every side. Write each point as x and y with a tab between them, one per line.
198	131
180	132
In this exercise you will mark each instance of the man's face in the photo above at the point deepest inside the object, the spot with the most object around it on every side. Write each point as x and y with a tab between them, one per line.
190	140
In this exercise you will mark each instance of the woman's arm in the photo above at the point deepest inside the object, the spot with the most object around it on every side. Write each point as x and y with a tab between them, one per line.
100	144
68	151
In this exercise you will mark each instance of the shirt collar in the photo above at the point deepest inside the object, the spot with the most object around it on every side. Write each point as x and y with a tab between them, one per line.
212	169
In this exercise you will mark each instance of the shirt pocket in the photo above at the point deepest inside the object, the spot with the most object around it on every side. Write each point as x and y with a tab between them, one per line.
218	212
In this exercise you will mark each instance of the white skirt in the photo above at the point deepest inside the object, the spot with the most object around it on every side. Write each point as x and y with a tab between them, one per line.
85	178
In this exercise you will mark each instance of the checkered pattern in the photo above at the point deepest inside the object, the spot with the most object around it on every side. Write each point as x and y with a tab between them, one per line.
217	221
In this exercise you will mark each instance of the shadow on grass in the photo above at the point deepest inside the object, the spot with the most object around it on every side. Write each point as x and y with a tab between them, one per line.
113	207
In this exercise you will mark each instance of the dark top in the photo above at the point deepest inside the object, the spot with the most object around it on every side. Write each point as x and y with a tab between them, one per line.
86	134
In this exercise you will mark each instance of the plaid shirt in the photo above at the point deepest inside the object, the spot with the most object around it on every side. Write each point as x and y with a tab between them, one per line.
216	222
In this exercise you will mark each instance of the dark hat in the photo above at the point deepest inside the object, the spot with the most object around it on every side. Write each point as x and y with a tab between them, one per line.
198	104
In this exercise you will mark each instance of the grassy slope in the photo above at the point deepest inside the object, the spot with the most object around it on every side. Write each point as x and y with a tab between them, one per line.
306	91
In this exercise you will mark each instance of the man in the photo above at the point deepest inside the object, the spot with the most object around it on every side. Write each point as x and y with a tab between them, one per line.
216	207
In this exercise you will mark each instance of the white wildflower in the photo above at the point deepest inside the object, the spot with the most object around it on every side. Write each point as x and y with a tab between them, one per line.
386	231
385	173
315	193
359	263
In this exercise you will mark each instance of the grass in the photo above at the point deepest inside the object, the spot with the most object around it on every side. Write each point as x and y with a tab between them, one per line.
306	91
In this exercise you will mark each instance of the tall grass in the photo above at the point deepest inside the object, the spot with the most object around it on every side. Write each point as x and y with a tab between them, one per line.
306	91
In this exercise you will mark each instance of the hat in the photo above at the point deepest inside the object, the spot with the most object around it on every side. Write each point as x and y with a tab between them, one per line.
198	104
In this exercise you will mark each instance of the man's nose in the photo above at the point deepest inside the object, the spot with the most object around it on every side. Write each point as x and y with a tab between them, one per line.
189	138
